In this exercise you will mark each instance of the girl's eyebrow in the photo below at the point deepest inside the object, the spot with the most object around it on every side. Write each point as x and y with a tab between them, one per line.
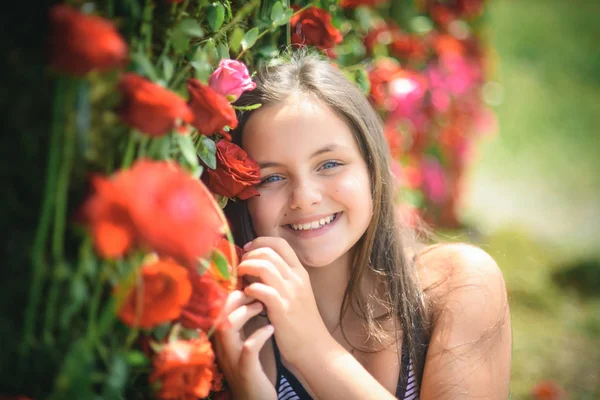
326	149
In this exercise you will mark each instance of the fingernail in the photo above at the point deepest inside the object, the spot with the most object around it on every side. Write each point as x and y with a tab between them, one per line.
247	245
270	328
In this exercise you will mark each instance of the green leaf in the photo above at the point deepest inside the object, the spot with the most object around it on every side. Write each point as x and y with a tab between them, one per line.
117	377
143	65
167	67
279	15
247	108
207	150
223	50
362	80
160	332
221	264
188	150
190	27
136	358
197	171
210	50
235	40
222	200
216	16
287	15
249	38
276	13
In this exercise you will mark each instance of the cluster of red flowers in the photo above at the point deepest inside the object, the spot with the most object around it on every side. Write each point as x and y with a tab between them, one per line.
158	207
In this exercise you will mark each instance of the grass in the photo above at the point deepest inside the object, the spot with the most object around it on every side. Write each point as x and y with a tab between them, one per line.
534	191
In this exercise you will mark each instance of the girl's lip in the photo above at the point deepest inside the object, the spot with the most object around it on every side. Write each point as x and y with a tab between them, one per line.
315	232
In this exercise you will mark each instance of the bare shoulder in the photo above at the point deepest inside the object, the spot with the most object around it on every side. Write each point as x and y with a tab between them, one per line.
443	268
464	287
470	340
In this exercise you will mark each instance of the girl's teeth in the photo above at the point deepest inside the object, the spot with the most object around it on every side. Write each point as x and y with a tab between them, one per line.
314	224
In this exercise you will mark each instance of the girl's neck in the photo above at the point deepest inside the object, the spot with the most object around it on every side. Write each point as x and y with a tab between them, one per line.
329	284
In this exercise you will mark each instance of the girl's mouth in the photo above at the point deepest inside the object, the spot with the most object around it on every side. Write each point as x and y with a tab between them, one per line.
314	227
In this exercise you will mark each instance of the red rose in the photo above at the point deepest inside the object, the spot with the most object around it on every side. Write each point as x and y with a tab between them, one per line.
212	111
313	27
149	107
157	204
81	43
185	369
236	173
206	304
164	290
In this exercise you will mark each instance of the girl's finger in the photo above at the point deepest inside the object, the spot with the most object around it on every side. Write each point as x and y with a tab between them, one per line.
249	360
243	314
235	300
268	295
269	254
264	270
279	246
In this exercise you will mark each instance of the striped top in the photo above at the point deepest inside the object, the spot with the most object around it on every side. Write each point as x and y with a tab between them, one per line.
289	387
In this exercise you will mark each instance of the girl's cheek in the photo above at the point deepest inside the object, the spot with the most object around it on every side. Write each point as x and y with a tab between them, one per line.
262	212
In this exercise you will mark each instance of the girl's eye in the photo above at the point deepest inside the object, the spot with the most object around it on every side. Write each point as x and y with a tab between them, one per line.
271	179
330	164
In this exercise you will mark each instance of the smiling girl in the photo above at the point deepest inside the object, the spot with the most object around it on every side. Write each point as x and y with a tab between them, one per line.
339	307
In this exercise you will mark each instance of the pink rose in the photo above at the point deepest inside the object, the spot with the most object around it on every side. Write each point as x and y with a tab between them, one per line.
231	79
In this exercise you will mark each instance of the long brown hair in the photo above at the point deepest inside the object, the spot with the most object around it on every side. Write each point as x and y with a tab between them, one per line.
380	250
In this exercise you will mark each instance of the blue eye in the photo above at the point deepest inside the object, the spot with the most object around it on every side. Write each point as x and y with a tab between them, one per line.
330	164
271	179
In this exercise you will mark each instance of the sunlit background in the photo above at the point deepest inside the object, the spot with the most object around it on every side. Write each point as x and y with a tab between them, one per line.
534	192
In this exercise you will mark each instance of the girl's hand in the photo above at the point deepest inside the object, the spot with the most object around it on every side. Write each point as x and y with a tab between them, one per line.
285	290
238	356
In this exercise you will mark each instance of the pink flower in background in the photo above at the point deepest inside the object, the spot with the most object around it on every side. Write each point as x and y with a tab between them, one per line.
407	92
434	181
231	79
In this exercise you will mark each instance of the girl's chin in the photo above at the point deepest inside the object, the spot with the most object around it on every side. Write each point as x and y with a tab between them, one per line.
317	262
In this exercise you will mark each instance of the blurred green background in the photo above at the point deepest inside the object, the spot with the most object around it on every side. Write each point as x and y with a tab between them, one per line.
534	191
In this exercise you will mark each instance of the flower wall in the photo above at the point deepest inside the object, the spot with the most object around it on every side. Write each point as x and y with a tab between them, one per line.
132	259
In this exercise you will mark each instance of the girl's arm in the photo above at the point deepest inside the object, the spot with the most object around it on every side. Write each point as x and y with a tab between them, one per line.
469	351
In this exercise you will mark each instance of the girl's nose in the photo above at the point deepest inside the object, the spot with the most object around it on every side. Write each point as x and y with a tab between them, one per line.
305	194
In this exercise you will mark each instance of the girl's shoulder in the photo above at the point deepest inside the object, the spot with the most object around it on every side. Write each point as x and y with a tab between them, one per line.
469	323
454	274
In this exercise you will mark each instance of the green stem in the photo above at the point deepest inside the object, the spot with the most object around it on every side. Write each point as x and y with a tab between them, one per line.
95	304
139	304
110	8
62	188
146	29
60	216
129	150
40	268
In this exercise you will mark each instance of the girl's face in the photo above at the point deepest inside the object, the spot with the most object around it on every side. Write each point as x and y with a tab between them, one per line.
315	190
